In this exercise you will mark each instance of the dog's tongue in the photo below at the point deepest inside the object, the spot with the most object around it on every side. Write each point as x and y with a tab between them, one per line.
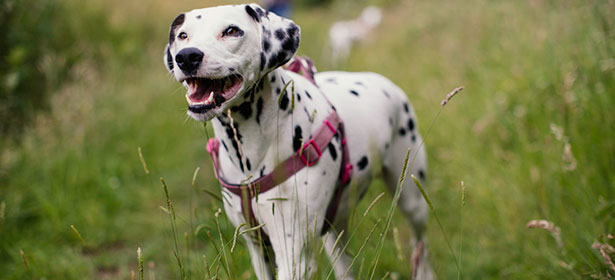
200	89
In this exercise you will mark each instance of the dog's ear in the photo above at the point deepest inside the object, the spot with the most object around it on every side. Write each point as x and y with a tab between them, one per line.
168	59
279	36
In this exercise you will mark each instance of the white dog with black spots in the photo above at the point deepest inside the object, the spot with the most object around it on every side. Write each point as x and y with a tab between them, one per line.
229	59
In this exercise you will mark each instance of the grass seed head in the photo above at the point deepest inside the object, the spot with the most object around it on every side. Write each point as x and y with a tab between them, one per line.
548	226
78	235
143	161
23	258
605	249
450	96
140	258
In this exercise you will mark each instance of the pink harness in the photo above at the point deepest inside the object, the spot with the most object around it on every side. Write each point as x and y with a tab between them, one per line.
308	155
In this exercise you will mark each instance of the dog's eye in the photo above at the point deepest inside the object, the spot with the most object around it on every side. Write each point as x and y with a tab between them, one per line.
232	31
182	35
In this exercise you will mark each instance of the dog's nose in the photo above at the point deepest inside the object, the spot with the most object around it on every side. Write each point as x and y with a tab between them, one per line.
189	59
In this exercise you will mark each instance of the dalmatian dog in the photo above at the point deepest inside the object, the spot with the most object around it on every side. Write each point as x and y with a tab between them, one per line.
229	59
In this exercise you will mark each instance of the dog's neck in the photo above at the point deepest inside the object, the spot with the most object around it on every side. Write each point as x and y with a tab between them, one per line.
258	134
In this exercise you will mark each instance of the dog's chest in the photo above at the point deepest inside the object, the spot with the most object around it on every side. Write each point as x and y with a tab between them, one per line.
268	126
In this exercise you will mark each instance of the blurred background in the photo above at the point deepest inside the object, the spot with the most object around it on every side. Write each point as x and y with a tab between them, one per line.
83	87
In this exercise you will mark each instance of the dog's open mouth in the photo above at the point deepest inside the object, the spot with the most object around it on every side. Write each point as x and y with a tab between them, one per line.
204	93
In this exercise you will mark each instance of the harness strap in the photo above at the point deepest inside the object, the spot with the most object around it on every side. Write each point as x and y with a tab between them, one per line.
342	181
308	155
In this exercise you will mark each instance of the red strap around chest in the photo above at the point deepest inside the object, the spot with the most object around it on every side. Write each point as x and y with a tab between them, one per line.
308	155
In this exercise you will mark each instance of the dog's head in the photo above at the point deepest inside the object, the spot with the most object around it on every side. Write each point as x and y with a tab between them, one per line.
220	53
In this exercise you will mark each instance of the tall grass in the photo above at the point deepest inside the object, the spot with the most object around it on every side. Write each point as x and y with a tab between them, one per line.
529	65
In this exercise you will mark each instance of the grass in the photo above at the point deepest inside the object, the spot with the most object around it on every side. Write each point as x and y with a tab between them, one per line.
525	65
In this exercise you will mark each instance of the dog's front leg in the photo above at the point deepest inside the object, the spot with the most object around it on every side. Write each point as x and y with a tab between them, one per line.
262	267
291	243
293	219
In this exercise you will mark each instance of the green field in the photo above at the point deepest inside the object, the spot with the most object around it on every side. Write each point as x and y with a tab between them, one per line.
532	136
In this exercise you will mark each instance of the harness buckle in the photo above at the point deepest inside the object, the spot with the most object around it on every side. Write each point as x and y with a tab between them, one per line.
313	154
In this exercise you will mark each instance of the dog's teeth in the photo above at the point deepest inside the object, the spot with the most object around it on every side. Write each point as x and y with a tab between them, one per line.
210	98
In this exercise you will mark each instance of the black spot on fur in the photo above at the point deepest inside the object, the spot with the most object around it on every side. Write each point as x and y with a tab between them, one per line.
307	113
298	97
284	102
411	124
280	34
391	121
230	135
276	60
222	120
260	12
332	150
297	138
241	166
244	109
169	59
308	94
360	84
179	20
386	94
224	145
406	108
261	84
198	17
292	30
413	138
278	90
354	92
266	45
266	32
289	44
421	175
332	80
252	13
259	109
231	69
386	146
362	163
402	131
250	94
248	165
231	159
273	78
262	172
